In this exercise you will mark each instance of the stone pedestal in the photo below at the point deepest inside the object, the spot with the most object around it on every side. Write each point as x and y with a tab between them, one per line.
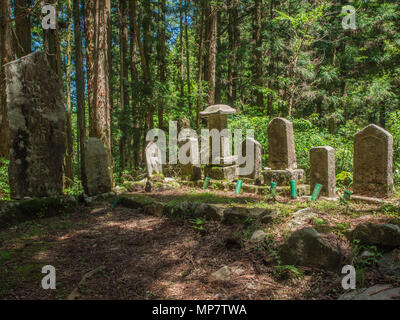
222	172
283	177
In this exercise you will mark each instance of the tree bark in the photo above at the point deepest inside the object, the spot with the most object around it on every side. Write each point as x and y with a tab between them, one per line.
189	89
68	119
80	87
97	64
210	72
52	44
162	70
124	95
257	54
134	80
200	69
233	33
7	54
23	28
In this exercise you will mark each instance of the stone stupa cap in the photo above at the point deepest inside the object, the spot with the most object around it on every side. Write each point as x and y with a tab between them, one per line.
217	109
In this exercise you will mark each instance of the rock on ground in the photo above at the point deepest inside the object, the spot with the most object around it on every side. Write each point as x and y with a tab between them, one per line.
377	292
306	247
389	264
377	234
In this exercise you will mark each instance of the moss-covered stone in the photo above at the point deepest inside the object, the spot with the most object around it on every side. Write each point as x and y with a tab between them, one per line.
135	201
243	215
134	185
305	247
12	212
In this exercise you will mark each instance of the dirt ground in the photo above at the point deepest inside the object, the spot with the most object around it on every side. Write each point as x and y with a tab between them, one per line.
104	253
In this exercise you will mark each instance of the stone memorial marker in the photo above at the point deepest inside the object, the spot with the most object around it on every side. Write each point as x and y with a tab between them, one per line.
281	150
189	152
373	162
255	147
153	159
322	170
36	113
282	154
98	179
224	166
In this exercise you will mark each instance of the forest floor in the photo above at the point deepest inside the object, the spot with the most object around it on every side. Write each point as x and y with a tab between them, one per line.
104	253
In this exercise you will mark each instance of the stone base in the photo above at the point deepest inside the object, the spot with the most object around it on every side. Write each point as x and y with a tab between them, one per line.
302	189
190	172
251	181
373	190
283	177
221	173
370	200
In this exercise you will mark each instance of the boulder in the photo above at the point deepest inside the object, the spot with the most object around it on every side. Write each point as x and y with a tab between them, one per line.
377	292
209	211
242	215
258	236
377	234
306	247
389	264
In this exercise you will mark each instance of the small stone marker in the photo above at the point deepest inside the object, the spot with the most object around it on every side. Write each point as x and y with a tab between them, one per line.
373	162
281	149
189	151
36	113
322	170
153	159
255	147
96	168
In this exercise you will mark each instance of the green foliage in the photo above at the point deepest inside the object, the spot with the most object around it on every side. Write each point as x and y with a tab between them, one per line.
4	185
198	223
344	179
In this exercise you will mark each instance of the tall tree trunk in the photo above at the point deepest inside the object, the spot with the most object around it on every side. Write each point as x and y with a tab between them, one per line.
199	67
210	72
233	33
146	67
124	95
181	60
257	54
80	87
134	80
23	28
97	64
7	54
52	44
70	150
162	70
189	89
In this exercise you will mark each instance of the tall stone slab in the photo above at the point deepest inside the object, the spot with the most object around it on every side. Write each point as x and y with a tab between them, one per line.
252	145
373	162
281	150
189	158
36	112
153	159
322	170
282	154
98	179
